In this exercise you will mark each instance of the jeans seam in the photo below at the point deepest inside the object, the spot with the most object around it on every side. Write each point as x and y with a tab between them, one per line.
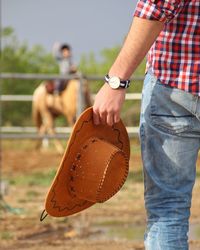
173	116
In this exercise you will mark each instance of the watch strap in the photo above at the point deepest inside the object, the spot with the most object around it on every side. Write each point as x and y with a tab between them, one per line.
123	83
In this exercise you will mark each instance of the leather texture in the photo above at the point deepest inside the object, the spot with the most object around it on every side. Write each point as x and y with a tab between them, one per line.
94	167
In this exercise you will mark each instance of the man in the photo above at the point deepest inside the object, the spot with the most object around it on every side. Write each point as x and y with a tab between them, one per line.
170	113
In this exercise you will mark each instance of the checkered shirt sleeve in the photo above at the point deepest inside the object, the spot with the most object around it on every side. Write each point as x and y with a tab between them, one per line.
158	10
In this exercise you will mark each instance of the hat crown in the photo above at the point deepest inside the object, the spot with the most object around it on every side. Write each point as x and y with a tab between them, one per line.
98	171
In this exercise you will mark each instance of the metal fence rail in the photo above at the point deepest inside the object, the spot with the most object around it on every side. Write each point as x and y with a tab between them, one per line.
61	133
27	76
27	98
16	133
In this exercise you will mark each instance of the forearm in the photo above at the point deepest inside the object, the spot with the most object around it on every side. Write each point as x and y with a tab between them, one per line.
140	38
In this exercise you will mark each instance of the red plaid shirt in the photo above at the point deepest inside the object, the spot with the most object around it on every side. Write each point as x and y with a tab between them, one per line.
175	55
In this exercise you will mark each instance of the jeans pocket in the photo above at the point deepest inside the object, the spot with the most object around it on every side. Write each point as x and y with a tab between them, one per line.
173	124
166	114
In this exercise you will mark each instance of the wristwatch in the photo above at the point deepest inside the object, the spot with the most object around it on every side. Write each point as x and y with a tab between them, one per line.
116	83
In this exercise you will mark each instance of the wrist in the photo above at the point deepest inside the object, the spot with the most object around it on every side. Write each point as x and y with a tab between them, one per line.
119	89
115	82
121	70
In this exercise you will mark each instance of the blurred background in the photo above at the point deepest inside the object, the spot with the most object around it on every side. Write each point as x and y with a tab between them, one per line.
32	56
94	30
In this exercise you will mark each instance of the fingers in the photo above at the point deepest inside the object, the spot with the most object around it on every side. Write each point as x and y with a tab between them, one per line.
116	118
96	117
110	119
99	117
107	105
105	117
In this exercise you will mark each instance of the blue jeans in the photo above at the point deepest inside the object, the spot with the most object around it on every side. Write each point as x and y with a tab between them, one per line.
170	141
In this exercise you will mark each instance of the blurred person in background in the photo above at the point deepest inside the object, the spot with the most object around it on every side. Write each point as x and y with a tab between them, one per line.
63	55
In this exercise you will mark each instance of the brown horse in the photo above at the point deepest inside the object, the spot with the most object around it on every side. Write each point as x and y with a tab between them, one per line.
46	107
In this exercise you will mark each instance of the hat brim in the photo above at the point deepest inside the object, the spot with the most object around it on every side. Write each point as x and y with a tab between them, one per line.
59	201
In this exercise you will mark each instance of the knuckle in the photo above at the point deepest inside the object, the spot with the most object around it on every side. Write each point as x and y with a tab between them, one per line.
110	111
102	110
95	110
115	109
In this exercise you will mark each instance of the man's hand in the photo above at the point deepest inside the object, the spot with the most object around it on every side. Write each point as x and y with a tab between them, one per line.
107	105
140	38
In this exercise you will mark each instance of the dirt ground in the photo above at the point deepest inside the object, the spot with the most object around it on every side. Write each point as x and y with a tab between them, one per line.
118	224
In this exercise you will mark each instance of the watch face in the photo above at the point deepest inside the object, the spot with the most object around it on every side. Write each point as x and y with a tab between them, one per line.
114	82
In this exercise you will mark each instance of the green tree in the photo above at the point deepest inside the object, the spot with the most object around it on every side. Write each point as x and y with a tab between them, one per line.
18	57
89	65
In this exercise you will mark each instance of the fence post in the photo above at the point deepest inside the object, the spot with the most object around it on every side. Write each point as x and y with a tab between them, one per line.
80	100
1	193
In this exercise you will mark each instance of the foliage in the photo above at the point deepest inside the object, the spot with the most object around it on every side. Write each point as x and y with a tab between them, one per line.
18	57
89	65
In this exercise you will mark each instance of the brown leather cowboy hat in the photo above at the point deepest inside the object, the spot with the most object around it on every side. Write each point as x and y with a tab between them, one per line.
94	167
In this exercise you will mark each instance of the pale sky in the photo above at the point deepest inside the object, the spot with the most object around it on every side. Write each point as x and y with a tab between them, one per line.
87	25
